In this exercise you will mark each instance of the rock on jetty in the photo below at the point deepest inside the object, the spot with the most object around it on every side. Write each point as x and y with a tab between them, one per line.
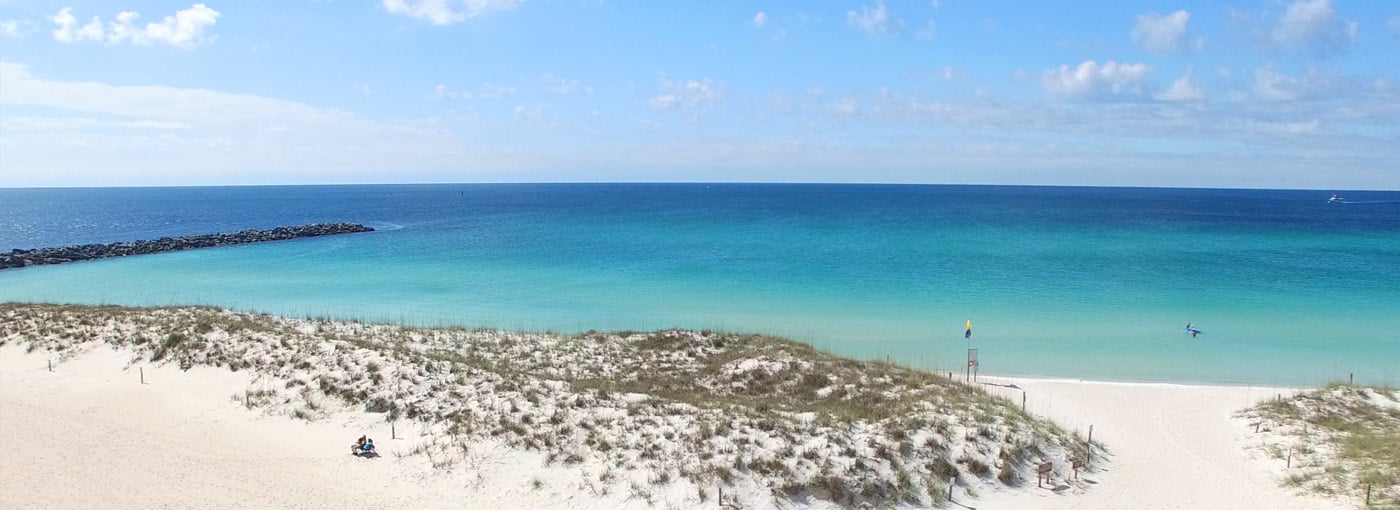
24	258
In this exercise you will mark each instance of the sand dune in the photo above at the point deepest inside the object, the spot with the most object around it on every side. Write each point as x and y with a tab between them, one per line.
90	435
252	411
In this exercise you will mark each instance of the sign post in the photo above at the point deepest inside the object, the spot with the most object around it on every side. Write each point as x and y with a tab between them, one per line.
971	363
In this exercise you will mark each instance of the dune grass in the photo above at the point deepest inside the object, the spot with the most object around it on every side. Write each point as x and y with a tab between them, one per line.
699	407
1344	439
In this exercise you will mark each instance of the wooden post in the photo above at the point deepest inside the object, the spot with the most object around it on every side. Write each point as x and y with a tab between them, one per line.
954	479
393	432
1089	446
1023	401
1290	458
1351	378
1368	495
143	374
50	364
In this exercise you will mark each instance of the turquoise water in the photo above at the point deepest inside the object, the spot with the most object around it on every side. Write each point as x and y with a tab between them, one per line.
1067	282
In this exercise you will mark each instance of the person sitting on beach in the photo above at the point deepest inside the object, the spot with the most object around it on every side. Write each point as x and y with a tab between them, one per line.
358	446
368	447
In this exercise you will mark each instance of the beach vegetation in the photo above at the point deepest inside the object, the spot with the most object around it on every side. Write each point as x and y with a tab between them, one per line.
666	407
1341	440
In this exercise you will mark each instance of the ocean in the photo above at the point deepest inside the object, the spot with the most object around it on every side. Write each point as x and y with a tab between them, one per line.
1091	283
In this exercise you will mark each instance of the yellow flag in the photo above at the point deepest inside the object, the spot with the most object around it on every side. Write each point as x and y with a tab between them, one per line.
969	324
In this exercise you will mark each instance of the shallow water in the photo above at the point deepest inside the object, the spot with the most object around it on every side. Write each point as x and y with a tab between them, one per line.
1067	282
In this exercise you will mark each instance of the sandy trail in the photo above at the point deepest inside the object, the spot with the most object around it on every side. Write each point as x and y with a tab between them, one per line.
1171	446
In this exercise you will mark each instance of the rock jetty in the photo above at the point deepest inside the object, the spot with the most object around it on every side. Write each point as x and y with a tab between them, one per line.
25	258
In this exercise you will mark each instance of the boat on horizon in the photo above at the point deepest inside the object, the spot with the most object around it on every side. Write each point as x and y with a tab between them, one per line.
1336	199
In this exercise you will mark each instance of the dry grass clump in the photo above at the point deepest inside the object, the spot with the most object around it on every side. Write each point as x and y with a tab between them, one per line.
700	408
1342	439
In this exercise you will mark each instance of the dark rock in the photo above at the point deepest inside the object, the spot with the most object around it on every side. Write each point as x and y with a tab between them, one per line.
25	258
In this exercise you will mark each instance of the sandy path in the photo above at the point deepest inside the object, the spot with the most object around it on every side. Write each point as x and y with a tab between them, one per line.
1172	446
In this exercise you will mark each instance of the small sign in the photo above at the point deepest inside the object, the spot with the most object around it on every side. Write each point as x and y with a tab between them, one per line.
972	357
1045	468
1077	463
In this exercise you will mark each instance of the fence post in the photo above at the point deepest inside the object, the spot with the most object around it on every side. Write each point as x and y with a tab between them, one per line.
393	432
50	364
1023	401
1290	458
1089	446
143	374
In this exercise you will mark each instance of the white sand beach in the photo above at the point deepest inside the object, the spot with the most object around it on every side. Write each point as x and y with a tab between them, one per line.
90	435
1172	446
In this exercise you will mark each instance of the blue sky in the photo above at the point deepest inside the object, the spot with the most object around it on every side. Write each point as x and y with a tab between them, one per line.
1272	93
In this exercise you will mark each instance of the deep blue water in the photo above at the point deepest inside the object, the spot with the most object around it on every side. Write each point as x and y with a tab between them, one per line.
1072	282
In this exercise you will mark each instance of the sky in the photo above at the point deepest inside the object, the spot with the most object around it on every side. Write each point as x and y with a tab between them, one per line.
1234	93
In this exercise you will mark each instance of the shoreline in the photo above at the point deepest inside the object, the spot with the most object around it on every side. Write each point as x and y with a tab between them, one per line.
1165	444
312	464
430	325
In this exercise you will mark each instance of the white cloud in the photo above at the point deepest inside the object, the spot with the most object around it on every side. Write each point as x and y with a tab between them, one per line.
185	28
760	19
487	90
492	91
444	12
928	31
687	94
875	21
1271	85
846	107
93	133
1312	24
1161	34
563	86
16	29
1090	79
1183	89
68	30
1287	129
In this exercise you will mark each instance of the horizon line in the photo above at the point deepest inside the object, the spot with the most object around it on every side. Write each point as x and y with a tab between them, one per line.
818	183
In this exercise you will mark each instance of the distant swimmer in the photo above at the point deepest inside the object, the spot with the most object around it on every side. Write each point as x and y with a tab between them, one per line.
968	334
1192	331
